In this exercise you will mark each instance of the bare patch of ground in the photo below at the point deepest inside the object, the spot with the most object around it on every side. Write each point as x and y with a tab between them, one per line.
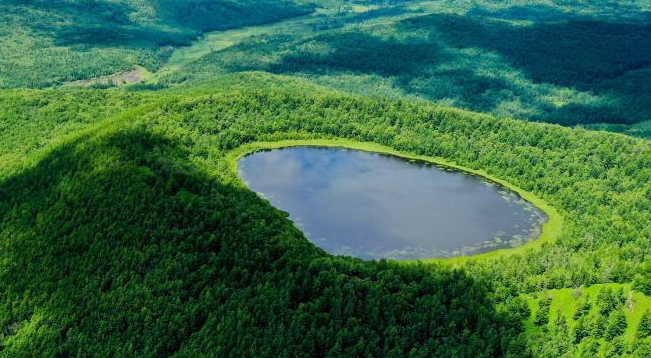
136	75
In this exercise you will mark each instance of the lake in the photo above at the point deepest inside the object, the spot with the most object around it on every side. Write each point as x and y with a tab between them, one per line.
373	206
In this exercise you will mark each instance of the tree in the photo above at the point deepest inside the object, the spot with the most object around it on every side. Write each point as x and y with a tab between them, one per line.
613	348
598	324
583	308
581	329
644	328
616	325
606	300
542	315
588	348
642	280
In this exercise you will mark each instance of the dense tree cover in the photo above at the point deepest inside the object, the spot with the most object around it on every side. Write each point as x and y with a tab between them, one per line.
640	129
575	71
44	43
138	239
120	242
642	280
124	230
555	9
567	62
569	168
598	181
33	120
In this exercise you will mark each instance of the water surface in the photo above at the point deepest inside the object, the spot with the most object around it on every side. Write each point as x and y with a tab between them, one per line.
374	206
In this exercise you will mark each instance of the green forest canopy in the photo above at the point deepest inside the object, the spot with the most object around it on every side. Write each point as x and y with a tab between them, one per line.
125	232
45	43
567	62
570	71
138	219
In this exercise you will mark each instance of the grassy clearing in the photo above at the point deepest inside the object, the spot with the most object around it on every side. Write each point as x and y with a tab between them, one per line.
550	229
566	301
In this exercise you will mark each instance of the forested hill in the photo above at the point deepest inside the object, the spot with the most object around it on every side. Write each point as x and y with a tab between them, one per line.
129	234
125	230
132	237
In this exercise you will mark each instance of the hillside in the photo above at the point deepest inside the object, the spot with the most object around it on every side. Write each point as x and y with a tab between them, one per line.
572	63
566	69
126	231
97	270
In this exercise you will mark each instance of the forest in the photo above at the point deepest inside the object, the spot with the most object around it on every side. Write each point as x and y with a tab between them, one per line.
584	71
125	230
45	43
136	221
591	61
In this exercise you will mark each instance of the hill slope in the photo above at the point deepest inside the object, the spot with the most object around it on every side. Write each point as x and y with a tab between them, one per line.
134	237
569	69
566	62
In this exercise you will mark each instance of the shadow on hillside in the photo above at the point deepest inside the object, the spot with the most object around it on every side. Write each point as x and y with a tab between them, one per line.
602	59
405	62
118	36
361	52
567	10
111	12
104	23
209	15
117	245
578	54
535	12
94	24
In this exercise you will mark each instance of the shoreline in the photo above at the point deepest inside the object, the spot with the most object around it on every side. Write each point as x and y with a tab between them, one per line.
550	230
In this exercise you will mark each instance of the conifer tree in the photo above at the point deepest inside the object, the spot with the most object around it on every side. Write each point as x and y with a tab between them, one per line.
644	328
616	325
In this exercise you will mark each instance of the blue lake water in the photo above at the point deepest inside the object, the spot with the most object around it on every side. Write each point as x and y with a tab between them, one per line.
373	206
